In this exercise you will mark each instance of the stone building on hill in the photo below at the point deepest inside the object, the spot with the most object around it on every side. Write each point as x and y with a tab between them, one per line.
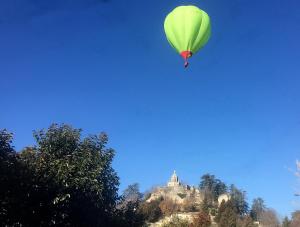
174	181
183	196
176	191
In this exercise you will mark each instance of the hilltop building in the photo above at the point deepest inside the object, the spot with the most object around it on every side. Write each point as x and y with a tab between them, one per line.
174	181
177	192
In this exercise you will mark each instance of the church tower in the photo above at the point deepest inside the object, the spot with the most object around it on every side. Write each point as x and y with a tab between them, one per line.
174	181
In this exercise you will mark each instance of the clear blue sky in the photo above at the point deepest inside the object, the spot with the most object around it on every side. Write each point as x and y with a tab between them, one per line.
106	66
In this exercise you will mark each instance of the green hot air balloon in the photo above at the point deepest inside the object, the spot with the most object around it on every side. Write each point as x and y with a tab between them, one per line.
187	29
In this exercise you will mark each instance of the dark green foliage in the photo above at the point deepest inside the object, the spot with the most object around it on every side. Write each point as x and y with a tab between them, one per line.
235	211
129	216
238	198
132	193
205	206
19	193
62	181
129	207
8	160
7	157
147	195
8	177
215	185
258	207
227	214
6	148
181	195
213	211
220	211
212	187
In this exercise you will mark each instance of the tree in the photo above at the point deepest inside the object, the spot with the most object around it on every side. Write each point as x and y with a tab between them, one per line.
295	219
258	207
238	198
189	205
8	177
129	207
201	220
22	195
227	214
5	144
205	205
220	211
131	197
86	184
7	157
151	210
212	187
246	221
269	218
63	180
132	193
286	222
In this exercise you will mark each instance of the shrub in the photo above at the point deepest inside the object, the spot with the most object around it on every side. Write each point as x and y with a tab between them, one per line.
189	206
181	195
168	207
176	222
151	210
246	221
202	220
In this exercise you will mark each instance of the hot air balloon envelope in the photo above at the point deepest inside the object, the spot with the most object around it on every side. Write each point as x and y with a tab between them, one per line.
187	29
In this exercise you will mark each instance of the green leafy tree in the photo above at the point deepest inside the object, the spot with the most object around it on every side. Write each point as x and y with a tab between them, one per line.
8	177
85	182
63	181
22	196
258	207
7	161
6	148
